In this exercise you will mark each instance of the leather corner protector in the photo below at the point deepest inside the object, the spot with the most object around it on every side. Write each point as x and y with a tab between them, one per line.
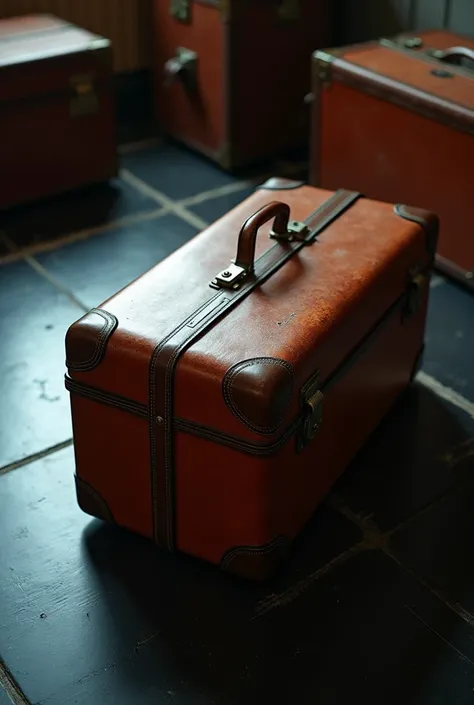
257	563
91	502
427	220
87	338
258	392
277	183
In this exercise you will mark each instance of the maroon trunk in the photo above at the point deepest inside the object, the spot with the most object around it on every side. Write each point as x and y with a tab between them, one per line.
56	109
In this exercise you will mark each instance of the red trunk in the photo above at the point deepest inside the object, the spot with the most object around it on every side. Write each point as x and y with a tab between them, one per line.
397	123
244	54
56	109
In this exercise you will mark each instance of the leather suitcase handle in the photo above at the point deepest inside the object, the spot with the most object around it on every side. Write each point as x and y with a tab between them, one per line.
276	210
453	54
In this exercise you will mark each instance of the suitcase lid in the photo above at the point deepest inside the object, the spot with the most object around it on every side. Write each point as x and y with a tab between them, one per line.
421	81
242	370
39	54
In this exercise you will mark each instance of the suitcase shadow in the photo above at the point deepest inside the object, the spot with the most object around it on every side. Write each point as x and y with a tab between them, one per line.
182	624
79	210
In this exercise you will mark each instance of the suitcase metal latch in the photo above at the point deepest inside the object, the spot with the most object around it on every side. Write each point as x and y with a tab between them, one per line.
414	295
229	278
182	66
312	403
296	231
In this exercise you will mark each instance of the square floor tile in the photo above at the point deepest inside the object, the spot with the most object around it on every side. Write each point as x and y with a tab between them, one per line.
80	210
34	406
450	338
175	171
415	455
369	633
96	268
214	208
438	544
82	600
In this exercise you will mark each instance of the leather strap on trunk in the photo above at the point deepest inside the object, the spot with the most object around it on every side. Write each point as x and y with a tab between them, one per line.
166	355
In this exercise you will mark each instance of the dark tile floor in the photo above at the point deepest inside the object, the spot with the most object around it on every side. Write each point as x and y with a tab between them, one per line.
377	601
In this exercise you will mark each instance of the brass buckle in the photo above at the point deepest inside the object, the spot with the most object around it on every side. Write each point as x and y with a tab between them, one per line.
312	403
297	230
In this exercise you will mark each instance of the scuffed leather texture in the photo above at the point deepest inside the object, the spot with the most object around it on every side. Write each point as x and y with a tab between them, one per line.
408	80
256	562
430	164
86	340
91	502
231	118
259	392
310	314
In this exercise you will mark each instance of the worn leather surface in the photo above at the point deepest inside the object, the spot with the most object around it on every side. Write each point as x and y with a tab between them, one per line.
229	117
310	314
406	157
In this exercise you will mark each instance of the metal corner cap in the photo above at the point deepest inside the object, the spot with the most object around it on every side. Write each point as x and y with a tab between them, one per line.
323	56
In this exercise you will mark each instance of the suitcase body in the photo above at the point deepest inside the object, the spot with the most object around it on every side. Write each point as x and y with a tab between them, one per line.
215	59
216	401
395	119
57	109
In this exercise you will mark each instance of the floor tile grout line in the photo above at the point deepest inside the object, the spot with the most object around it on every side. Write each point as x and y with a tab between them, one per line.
215	193
51	245
11	687
34	457
42	271
446	393
164	200
375	538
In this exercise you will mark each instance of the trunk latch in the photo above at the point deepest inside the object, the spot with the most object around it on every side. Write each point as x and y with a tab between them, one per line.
312	412
415	293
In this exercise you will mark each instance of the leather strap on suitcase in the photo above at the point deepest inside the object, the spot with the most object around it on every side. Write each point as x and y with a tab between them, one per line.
233	284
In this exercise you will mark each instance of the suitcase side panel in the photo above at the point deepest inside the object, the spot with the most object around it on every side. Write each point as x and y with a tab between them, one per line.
269	346
242	511
112	464
193	110
430	166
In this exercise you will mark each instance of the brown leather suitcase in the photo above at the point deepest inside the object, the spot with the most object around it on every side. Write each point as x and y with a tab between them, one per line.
232	76
56	109
395	119
216	399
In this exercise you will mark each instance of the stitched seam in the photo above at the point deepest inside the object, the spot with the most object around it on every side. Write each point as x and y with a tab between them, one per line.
235	444
167	421
105	398
229	400
110	323
252	551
